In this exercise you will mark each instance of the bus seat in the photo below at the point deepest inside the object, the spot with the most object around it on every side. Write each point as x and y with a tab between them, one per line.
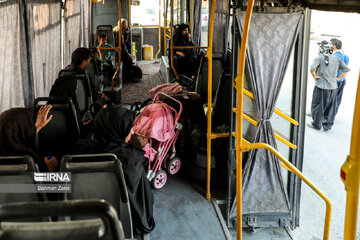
105	226
202	79
58	136
82	92
99	176
94	75
108	30
18	170
115	93
222	101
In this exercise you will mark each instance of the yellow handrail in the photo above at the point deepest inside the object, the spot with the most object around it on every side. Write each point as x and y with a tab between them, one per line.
277	136
350	174
159	32
248	146
119	48
143	26
171	39
209	114
276	110
239	85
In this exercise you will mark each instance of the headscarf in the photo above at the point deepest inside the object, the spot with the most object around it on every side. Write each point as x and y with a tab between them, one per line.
113	125
18	132
65	86
178	37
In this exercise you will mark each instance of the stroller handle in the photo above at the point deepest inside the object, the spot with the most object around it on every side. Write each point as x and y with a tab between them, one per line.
173	99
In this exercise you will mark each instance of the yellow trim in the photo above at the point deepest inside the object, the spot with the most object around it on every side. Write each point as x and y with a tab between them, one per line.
302	177
159	32
139	26
276	110
119	48
171	38
352	174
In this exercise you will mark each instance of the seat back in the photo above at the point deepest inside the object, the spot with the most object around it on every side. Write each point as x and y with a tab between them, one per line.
15	171
108	30
99	176
58	136
105	226
202	79
94	75
82	92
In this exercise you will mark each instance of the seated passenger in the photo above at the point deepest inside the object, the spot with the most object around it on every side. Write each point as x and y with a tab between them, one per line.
18	131
80	59
184	59
111	126
104	55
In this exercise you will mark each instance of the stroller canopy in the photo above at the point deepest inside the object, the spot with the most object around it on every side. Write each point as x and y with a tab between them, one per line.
155	121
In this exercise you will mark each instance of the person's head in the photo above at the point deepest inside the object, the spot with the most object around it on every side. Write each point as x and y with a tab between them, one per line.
102	39
337	45
325	48
113	124
124	23
81	57
184	29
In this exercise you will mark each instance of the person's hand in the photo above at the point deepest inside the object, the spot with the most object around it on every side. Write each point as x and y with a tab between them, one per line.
51	162
316	77
42	118
103	96
107	64
189	36
130	57
181	54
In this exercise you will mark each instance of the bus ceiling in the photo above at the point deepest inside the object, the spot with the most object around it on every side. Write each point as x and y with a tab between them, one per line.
324	5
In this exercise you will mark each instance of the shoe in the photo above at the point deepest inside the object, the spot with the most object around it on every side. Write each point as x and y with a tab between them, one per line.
309	114
310	125
326	129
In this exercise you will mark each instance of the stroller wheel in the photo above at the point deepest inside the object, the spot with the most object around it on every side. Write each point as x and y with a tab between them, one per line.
159	179
174	166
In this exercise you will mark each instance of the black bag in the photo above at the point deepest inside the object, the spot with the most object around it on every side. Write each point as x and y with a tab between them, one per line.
136	72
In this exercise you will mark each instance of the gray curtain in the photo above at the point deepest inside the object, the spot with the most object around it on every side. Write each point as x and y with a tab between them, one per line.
72	27
196	37
221	27
14	81
271	39
77	26
85	23
44	38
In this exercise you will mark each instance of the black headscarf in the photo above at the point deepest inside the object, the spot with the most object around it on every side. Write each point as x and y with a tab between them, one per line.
111	126
179	39
17	133
65	86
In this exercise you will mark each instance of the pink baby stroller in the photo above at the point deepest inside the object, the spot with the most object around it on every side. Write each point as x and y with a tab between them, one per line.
159	128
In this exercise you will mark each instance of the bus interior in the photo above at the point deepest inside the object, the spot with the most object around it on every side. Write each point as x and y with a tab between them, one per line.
250	86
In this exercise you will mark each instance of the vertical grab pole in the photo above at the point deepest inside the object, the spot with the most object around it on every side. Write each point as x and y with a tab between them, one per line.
209	112
171	37
159	31
239	85
119	50
350	174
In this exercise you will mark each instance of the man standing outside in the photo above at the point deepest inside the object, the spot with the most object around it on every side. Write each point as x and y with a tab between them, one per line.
324	70
345	58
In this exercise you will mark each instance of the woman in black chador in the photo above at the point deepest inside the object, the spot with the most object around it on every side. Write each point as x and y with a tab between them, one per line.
184	59
18	132
111	126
